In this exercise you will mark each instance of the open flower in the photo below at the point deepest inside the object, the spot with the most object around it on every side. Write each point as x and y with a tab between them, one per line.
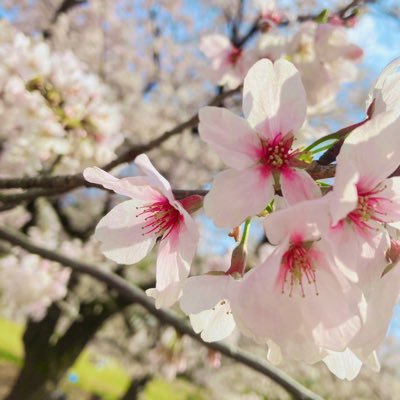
259	149
129	231
296	298
229	64
364	199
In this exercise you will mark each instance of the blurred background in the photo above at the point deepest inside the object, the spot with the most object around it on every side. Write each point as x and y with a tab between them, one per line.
80	81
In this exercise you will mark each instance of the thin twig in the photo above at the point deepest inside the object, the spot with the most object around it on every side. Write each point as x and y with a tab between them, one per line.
134	294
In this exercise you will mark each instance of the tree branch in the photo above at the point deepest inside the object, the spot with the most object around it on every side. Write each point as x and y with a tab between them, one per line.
135	295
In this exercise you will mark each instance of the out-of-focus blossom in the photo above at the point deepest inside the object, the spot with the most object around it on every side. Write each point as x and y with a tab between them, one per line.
229	64
54	113
30	284
325	58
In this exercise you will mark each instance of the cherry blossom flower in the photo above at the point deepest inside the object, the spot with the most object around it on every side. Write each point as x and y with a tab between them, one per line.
259	149
229	64
297	300
325	58
130	230
364	198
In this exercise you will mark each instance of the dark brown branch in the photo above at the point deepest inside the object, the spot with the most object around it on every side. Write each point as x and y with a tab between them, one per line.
135	295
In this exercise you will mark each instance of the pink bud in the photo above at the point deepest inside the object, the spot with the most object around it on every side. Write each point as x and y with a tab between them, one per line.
238	261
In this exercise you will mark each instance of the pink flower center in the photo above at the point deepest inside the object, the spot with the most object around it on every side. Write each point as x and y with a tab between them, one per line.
276	154
298	265
368	208
161	219
234	55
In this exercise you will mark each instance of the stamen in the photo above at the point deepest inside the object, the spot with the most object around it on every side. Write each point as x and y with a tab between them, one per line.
277	153
368	208
161	218
298	262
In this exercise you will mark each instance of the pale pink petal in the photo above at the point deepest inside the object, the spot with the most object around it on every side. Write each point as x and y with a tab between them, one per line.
236	195
260	309
332	44
213	45
385	99
274	99
381	296
344	197
333	330
230	136
358	254
274	353
202	293
166	297
121	234
176	252
156	179
306	220
388	97
377	140
297	185
135	187
214	324
345	364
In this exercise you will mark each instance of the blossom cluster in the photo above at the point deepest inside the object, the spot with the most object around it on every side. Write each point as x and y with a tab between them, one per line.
29	284
322	53
55	114
328	279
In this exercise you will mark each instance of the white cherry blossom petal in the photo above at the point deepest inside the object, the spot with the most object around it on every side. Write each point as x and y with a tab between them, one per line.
297	185
345	365
214	324
274	99
156	179
230	136
121	234
236	195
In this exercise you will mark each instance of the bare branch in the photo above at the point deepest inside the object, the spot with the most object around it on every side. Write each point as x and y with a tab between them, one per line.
135	295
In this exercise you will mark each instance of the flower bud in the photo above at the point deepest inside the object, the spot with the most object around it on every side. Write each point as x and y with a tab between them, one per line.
238	261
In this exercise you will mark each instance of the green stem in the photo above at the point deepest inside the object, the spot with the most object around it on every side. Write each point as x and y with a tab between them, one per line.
246	229
331	136
323	148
